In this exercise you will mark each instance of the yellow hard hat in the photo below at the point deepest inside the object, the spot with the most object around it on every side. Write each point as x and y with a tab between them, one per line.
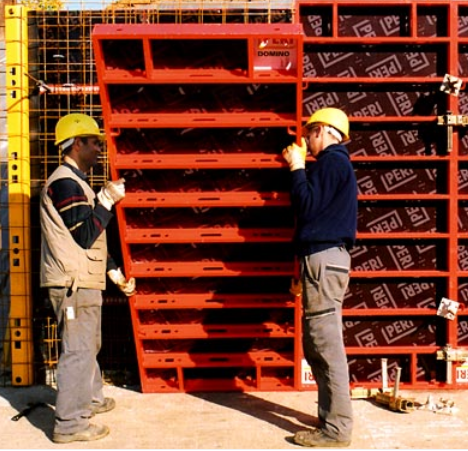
331	116
76	124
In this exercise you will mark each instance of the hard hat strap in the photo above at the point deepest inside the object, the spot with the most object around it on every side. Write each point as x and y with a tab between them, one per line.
65	144
334	132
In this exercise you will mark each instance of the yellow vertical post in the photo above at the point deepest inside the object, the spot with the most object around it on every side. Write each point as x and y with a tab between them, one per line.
17	103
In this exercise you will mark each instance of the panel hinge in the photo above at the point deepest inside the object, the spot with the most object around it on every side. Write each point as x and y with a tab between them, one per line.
452	120
450	354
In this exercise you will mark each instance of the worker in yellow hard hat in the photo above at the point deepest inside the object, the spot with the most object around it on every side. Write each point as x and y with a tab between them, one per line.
74	263
324	197
74	125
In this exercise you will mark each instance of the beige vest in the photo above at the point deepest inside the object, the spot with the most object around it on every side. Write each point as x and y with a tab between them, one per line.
63	262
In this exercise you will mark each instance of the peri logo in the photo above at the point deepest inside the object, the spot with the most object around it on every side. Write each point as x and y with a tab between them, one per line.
388	222
397	178
397	330
390	25
462	330
329	59
385	68
364	29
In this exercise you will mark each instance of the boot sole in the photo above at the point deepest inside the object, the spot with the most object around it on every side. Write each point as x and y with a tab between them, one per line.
323	444
65	438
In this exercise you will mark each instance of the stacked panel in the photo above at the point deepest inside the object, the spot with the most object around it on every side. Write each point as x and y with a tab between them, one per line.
197	117
385	64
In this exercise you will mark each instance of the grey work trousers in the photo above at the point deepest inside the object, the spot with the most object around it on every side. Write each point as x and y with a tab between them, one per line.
325	278
79	382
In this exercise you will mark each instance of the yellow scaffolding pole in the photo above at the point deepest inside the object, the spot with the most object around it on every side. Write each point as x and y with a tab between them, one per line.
19	194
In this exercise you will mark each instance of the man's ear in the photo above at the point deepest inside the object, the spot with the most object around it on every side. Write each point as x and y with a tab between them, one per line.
79	142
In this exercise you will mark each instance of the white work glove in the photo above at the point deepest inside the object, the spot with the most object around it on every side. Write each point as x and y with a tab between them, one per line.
111	193
125	286
296	155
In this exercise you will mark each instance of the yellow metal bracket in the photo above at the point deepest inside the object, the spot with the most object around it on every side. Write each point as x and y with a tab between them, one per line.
17	103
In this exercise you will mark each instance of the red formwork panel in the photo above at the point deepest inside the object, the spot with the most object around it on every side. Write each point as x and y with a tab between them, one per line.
385	64
196	116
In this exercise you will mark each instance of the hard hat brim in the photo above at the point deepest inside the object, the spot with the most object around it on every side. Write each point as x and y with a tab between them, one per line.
101	137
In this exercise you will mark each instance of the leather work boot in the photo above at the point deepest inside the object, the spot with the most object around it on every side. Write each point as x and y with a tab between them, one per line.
315	438
93	432
108	404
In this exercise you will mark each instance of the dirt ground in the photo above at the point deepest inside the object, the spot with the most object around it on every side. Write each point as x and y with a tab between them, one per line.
235	420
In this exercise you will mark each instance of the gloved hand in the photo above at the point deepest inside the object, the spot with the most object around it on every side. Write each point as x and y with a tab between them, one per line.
111	193
296	287
125	286
296	155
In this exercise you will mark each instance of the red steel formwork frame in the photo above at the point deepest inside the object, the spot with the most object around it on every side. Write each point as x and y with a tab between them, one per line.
247	62
197	116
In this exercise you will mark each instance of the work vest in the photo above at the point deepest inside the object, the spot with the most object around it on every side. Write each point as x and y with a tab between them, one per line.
64	263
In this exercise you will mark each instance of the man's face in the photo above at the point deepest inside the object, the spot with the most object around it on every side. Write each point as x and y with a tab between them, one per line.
90	148
313	140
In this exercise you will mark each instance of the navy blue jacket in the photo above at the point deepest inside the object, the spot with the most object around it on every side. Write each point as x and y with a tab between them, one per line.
324	198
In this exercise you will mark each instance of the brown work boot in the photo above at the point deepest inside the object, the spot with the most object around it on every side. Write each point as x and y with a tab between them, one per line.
93	432
108	404
315	438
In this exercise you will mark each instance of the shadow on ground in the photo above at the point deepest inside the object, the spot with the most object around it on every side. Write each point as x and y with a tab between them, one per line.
33	404
262	409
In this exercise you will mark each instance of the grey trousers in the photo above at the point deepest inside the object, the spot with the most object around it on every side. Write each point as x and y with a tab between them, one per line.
325	278
79	382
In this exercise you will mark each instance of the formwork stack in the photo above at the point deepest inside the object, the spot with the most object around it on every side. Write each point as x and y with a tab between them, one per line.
197	108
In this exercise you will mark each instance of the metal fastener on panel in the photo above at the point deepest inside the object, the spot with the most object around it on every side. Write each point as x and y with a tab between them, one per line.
451	120
451	85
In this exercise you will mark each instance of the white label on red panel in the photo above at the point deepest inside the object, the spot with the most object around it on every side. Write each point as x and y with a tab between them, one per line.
275	53
306	372
462	374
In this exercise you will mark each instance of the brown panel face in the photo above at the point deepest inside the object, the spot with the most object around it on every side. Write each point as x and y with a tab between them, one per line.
400	216
349	60
375	294
463	331
397	178
389	332
381	140
400	256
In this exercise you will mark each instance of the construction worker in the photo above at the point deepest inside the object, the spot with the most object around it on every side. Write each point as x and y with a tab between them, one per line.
74	262
324	197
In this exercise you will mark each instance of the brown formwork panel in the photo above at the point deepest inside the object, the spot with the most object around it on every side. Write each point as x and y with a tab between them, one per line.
384	63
